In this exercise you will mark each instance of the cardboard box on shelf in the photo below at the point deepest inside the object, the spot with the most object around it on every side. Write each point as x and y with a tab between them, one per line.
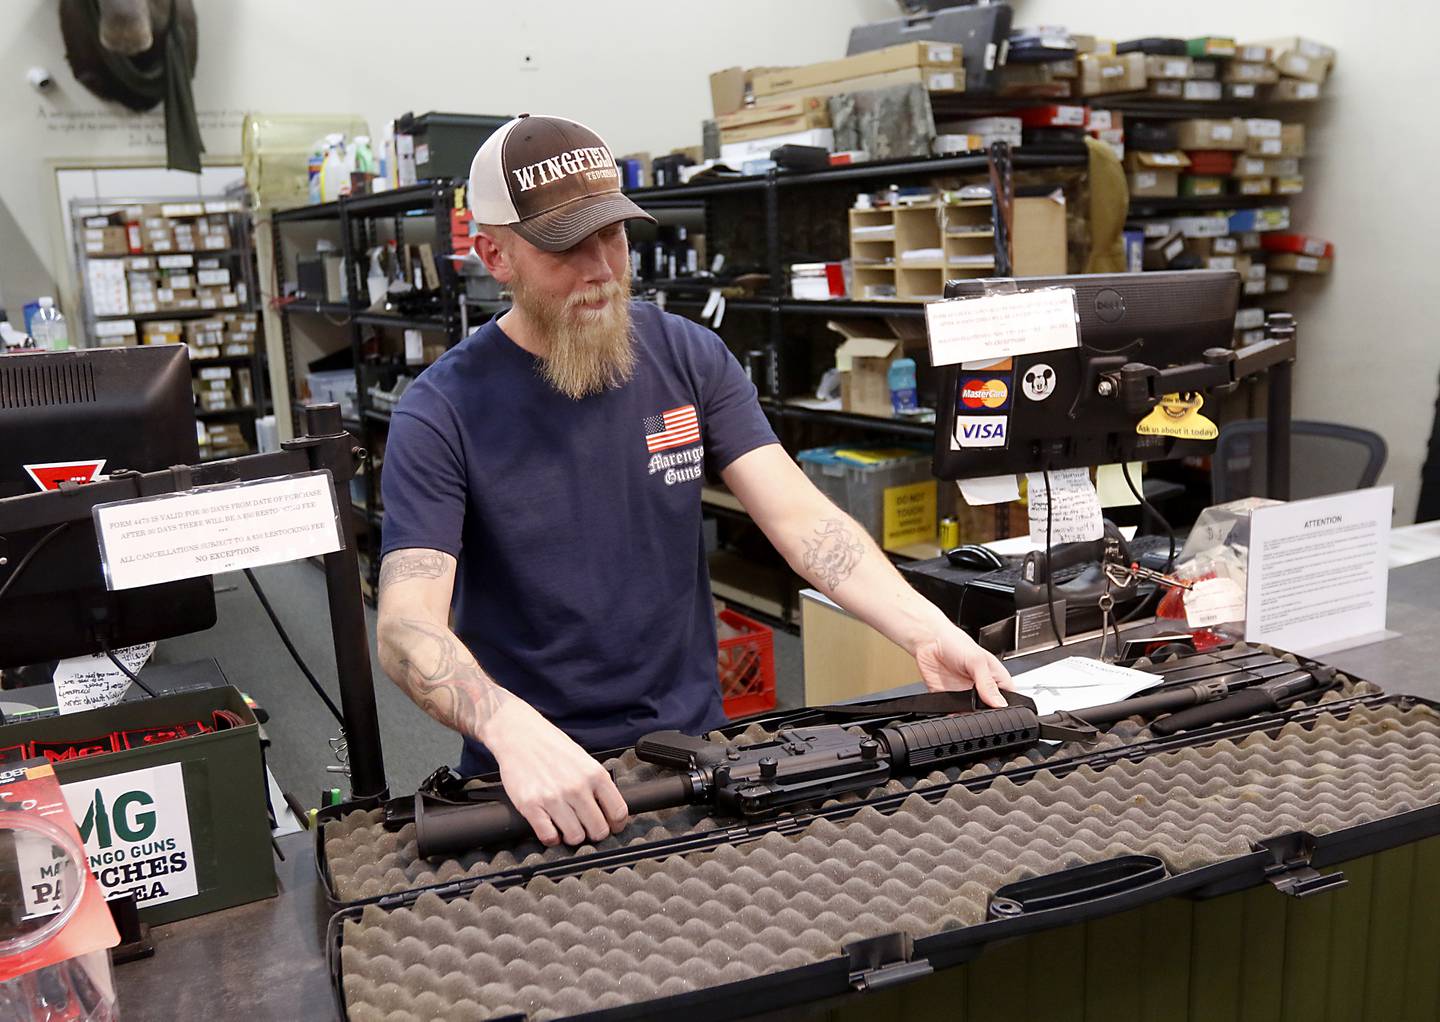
819	117
1212	46
1255	185
1288	90
1207	133
1141	160
1039	235
1178	68
1243	91
766	111
1290	261
1105	74
1242	71
864	364
1201	92
115	333
106	241
1292	141
943	56
1154	184
1165	88
1298	244
1037	81
1201	185
1298	66
1291	185
1253	53
730	89
1055	115
738	152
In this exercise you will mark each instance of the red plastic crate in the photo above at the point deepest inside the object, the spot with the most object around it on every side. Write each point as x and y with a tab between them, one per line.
746	667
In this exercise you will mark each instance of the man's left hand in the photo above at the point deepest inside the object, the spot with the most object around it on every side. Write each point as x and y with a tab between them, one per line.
952	661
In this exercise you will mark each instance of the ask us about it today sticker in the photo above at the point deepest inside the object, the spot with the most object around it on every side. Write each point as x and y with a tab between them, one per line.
1178	415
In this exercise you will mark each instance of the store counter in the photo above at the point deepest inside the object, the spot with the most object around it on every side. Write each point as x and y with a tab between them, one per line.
266	960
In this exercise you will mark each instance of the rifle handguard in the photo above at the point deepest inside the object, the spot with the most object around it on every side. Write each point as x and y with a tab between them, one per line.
918	742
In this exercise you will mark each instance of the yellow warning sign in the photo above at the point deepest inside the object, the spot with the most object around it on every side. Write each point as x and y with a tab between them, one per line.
1178	415
909	515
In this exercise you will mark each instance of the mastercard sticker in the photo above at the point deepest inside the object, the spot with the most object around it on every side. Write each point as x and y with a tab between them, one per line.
1178	415
983	393
993	365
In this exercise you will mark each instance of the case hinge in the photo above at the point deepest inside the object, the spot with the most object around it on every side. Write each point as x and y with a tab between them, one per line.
881	962
1290	871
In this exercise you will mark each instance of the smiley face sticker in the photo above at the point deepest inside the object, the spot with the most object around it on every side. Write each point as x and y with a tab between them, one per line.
1178	415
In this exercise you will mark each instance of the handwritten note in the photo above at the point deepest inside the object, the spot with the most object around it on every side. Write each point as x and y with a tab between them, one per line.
1077	517
90	682
963	329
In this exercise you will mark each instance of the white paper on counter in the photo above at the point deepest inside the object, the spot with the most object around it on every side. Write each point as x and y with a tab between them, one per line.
1077	682
1319	571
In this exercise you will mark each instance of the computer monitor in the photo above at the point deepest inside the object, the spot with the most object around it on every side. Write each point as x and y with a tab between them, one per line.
1045	411
72	415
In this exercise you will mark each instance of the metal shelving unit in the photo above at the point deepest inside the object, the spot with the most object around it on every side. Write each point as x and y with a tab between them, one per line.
359	219
239	256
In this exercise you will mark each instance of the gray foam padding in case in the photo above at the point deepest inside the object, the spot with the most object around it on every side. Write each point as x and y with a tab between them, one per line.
367	861
594	940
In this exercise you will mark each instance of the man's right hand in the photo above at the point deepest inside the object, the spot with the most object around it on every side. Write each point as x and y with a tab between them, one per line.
562	791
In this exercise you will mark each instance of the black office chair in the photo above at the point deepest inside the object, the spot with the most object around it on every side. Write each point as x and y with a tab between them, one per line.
1325	457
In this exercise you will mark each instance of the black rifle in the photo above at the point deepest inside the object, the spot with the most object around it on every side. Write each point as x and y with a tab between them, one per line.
808	765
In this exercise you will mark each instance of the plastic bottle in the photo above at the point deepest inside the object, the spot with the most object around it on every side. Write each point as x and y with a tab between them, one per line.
48	327
313	164
334	179
361	157
901	377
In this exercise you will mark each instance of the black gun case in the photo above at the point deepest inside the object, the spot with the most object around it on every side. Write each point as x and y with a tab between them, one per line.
867	893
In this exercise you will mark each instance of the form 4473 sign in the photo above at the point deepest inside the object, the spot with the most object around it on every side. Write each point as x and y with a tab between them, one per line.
136	829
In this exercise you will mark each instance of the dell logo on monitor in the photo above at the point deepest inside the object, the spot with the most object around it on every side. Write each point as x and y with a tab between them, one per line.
1110	305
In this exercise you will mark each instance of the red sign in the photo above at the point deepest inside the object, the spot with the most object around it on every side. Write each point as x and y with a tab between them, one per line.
51	474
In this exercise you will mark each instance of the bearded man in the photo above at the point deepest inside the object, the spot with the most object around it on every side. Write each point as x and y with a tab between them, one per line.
545	475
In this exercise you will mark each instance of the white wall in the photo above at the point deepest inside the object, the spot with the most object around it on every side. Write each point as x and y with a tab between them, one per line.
1369	353
637	72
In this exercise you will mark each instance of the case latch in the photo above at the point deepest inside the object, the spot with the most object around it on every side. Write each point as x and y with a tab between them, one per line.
1291	873
881	962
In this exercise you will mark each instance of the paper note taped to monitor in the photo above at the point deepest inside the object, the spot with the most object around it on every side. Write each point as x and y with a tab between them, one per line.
150	540
996	326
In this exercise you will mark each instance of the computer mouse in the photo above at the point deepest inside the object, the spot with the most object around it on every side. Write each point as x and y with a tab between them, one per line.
975	557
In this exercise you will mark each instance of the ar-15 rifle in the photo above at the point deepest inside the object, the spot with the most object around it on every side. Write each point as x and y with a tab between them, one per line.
808	765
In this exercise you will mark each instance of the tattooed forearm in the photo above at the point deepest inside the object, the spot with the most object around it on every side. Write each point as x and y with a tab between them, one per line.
407	564
439	673
832	555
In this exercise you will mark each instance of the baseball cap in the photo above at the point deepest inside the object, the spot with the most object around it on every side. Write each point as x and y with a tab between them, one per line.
551	180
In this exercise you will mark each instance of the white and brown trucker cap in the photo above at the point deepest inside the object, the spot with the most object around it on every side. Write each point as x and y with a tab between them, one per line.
552	180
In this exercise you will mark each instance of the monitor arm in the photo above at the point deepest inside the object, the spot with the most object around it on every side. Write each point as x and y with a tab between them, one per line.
325	445
1139	387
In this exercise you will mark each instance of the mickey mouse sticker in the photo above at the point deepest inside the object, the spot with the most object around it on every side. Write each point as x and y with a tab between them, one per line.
1038	383
1178	415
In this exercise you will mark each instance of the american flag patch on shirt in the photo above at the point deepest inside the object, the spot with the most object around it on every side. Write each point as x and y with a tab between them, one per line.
675	428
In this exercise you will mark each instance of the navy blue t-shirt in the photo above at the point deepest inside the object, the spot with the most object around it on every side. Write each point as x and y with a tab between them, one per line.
582	584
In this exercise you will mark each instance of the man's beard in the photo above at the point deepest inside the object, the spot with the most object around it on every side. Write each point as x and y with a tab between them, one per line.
590	350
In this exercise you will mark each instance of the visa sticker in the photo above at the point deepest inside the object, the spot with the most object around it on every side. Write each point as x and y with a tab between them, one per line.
979	431
1178	415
